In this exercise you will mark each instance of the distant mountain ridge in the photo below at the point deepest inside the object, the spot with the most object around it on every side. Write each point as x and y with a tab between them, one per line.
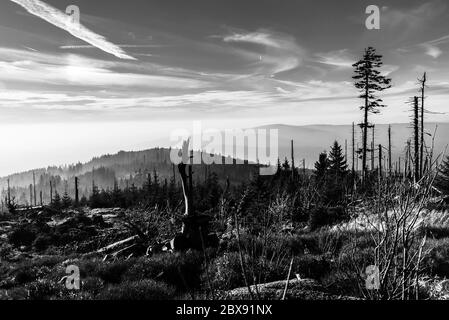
128	167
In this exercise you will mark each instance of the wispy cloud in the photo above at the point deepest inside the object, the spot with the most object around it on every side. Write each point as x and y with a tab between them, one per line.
259	37
276	52
338	58
63	21
432	50
118	45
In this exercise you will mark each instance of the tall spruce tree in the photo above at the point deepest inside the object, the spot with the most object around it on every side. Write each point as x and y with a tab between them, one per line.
369	81
337	162
336	177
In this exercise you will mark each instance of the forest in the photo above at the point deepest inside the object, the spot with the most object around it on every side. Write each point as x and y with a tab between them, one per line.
360	225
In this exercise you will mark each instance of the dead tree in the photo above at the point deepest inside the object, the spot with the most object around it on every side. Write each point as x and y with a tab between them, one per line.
76	192
195	227
9	194
421	158
34	189
372	151
51	192
389	151
416	137
293	160
353	149
31	195
380	162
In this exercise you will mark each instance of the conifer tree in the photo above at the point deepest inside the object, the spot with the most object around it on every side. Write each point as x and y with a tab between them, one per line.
66	200
337	162
369	80
56	204
321	166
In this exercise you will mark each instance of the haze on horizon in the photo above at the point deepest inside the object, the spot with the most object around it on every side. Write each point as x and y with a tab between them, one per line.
134	71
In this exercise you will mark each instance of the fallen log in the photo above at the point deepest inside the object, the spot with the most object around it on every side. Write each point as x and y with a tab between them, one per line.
117	244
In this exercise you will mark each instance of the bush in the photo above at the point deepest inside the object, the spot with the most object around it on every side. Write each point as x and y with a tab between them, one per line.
42	242
323	216
343	283
42	290
138	290
23	236
24	275
226	272
112	272
437	260
436	232
182	270
311	266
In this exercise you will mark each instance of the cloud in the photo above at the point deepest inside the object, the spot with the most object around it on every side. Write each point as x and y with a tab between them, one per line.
432	48
118	45
70	71
63	21
261	38
338	58
387	69
413	18
432	51
274	53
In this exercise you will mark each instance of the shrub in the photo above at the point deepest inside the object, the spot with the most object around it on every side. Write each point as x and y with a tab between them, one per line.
343	283
437	260
323	216
42	242
112	272
226	272
24	275
42	290
92	285
23	236
311	266
182	270
436	232
138	290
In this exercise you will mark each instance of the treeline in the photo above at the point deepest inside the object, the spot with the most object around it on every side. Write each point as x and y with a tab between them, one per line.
122	169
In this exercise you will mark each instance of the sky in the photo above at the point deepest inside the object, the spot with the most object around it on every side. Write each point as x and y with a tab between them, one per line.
132	71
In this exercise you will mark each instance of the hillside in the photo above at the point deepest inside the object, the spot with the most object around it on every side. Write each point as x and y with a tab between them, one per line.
124	168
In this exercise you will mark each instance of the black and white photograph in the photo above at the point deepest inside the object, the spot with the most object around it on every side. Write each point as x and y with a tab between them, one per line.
244	151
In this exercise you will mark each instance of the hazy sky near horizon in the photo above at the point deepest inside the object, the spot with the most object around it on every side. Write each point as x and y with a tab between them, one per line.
139	64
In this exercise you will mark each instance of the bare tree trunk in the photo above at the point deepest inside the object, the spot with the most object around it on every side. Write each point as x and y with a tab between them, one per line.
389	151
416	137
76	192
31	195
34	189
353	148
423	86
380	162
9	193
373	152
51	192
293	160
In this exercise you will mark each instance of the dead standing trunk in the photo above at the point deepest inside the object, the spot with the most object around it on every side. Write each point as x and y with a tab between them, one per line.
195	227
